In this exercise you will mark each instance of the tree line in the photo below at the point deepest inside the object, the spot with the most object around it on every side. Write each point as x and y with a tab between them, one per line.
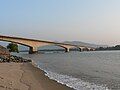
117	47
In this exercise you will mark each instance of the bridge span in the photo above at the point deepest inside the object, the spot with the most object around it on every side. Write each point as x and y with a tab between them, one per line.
34	44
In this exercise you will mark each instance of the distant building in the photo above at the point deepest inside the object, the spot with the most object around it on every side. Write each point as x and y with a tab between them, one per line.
4	52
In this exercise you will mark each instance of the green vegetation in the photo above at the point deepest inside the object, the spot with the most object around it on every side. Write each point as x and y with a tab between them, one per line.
13	47
117	47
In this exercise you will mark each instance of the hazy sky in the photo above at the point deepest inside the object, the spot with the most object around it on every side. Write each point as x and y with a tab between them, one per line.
94	21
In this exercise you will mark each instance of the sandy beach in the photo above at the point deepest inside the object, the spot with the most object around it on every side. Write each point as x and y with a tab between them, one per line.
24	76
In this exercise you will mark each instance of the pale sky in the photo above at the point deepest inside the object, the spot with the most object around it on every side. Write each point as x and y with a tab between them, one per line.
93	21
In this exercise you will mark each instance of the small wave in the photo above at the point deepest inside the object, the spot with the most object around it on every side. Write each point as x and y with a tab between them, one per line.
75	83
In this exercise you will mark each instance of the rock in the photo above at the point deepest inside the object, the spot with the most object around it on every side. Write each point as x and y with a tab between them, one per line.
4	52
14	59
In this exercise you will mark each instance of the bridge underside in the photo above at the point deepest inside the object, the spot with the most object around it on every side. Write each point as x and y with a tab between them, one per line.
32	50
66	49
34	44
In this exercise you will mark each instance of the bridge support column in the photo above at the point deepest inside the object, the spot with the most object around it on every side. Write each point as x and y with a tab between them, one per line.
32	50
67	49
80	49
89	49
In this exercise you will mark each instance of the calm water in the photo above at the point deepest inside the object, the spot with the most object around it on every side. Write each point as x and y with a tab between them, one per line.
82	70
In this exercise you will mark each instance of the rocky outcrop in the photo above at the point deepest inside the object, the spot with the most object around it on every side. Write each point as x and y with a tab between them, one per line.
6	57
4	53
14	59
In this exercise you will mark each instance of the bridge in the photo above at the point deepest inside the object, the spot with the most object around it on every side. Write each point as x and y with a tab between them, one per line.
34	44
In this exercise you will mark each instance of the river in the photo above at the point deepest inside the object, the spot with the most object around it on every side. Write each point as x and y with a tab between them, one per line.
95	70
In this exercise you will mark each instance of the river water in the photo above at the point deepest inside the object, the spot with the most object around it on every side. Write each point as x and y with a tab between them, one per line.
95	70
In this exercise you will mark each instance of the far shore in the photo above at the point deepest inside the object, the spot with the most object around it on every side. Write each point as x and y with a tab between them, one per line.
25	76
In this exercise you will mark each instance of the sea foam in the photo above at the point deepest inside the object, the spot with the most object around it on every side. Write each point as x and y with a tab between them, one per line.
72	82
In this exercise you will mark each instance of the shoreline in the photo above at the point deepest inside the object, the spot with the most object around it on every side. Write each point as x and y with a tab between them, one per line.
26	76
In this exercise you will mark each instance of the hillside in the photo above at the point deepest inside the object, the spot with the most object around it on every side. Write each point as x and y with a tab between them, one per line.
85	44
3	51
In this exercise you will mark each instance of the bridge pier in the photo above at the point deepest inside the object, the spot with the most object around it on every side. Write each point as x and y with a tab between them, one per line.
32	50
67	49
81	49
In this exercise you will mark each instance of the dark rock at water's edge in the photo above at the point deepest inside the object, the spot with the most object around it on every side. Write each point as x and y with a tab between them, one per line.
15	59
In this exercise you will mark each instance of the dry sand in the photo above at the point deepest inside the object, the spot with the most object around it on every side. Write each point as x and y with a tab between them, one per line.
24	76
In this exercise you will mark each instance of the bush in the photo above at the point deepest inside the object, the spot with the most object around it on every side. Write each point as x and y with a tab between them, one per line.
12	47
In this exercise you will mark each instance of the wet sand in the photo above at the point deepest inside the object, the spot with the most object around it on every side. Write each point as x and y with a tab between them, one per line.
24	76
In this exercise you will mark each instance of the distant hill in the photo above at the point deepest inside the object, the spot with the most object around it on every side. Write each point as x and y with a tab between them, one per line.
85	44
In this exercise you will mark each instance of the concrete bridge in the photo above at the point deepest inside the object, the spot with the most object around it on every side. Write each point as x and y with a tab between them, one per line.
34	44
